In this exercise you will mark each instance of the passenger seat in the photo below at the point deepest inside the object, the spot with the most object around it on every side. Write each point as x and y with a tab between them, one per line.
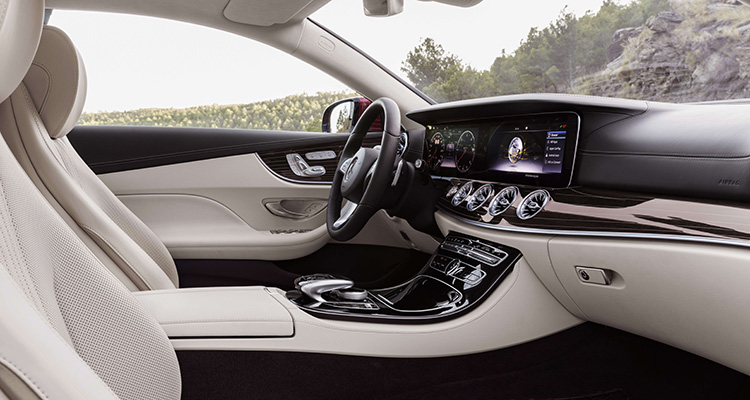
35	121
68	328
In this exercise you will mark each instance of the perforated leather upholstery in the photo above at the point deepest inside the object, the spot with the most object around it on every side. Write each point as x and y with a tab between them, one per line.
69	328
45	107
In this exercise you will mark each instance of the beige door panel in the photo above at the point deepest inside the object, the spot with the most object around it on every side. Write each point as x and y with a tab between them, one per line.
235	208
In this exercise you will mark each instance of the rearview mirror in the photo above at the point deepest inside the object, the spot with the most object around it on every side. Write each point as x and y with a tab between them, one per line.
342	116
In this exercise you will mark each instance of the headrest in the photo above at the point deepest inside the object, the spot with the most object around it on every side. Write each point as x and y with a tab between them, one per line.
56	82
20	27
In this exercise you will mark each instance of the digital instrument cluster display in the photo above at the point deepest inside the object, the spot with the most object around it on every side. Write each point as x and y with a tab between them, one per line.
537	150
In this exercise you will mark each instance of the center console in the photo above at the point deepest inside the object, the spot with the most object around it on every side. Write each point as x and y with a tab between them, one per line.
459	276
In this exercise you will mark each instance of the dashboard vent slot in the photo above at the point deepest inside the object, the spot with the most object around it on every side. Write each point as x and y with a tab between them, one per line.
532	204
503	201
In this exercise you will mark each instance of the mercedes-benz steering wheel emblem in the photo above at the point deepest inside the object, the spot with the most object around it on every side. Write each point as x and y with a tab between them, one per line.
350	169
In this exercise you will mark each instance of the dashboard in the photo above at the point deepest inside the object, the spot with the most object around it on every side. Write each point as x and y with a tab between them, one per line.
580	165
537	150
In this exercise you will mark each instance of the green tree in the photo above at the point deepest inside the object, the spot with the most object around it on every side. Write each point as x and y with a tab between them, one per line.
428	63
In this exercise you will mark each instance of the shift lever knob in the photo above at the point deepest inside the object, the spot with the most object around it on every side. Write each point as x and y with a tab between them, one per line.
315	288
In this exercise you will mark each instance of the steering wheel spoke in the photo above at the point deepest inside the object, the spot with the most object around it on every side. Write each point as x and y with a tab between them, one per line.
346	212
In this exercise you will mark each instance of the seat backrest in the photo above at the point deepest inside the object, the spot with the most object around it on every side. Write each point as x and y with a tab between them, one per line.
45	108
69	328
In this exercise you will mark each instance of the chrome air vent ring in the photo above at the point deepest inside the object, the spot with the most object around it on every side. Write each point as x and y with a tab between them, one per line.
480	196
403	144
532	204
462	193
503	200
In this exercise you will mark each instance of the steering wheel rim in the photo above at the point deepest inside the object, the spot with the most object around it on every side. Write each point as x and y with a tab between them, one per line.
356	170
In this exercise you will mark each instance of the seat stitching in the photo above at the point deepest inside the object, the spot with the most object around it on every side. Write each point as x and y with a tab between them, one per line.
26	378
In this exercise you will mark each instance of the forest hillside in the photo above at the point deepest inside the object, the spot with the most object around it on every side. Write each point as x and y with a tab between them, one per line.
292	113
665	50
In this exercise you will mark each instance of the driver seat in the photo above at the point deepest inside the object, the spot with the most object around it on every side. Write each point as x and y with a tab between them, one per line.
34	121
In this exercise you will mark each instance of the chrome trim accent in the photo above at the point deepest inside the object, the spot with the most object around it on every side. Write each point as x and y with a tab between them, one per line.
493	209
562	232
346	213
314	289
283	178
522	208
471	202
457	199
397	174
400	151
390	305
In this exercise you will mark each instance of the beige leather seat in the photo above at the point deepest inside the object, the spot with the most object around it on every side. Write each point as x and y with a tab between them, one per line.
45	108
69	329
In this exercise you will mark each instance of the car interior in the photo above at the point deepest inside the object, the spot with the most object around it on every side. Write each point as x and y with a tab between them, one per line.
527	246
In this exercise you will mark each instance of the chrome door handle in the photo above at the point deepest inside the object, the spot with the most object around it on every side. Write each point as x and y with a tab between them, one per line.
301	168
295	208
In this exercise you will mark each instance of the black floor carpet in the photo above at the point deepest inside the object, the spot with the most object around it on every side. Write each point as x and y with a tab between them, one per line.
589	362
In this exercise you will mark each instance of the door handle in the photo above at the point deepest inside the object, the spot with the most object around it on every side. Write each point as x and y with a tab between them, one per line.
301	168
295	208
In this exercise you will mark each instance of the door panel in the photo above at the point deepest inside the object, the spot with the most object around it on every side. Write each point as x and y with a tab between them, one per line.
109	149
215	208
207	194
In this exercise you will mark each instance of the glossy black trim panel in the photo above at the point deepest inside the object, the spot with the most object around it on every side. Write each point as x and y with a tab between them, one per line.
598	212
462	273
121	148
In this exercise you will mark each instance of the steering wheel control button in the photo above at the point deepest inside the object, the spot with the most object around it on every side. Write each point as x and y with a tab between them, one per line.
595	276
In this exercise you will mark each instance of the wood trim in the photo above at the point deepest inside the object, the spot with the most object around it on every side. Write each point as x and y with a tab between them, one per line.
605	211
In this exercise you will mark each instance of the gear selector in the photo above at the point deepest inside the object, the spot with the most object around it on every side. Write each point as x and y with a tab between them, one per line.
314	286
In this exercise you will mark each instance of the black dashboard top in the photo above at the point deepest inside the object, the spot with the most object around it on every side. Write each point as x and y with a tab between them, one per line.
693	150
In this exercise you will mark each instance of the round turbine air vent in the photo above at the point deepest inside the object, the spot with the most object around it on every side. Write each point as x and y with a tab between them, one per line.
532	204
479	197
462	193
403	144
452	190
503	201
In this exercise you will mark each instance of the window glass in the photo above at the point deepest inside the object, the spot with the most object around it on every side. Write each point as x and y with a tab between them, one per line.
665	50
157	72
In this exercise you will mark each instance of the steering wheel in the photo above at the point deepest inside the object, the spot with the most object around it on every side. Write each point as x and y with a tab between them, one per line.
364	176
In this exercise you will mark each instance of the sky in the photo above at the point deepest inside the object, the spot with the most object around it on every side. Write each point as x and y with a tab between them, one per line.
140	62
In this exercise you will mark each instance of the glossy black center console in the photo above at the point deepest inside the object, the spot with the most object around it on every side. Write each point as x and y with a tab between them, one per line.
459	276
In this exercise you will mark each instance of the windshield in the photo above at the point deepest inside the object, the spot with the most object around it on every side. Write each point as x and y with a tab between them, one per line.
664	50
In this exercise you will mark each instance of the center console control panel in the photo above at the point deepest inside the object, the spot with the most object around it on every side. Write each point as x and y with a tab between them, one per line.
459	276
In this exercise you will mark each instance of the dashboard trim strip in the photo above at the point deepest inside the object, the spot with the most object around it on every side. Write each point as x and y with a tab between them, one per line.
694	239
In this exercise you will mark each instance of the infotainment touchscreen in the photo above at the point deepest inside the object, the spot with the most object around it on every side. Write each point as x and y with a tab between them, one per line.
537	150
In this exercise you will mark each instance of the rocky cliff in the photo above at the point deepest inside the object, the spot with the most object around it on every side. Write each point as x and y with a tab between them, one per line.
697	51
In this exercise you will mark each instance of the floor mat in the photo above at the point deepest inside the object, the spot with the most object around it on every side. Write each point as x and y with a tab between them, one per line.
586	362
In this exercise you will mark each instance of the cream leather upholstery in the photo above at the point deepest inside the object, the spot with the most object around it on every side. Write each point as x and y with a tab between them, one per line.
45	107
69	328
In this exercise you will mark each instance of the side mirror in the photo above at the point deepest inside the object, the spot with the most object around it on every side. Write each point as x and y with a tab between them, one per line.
342	116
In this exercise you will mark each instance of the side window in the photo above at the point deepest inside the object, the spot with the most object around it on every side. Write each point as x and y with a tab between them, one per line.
157	72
